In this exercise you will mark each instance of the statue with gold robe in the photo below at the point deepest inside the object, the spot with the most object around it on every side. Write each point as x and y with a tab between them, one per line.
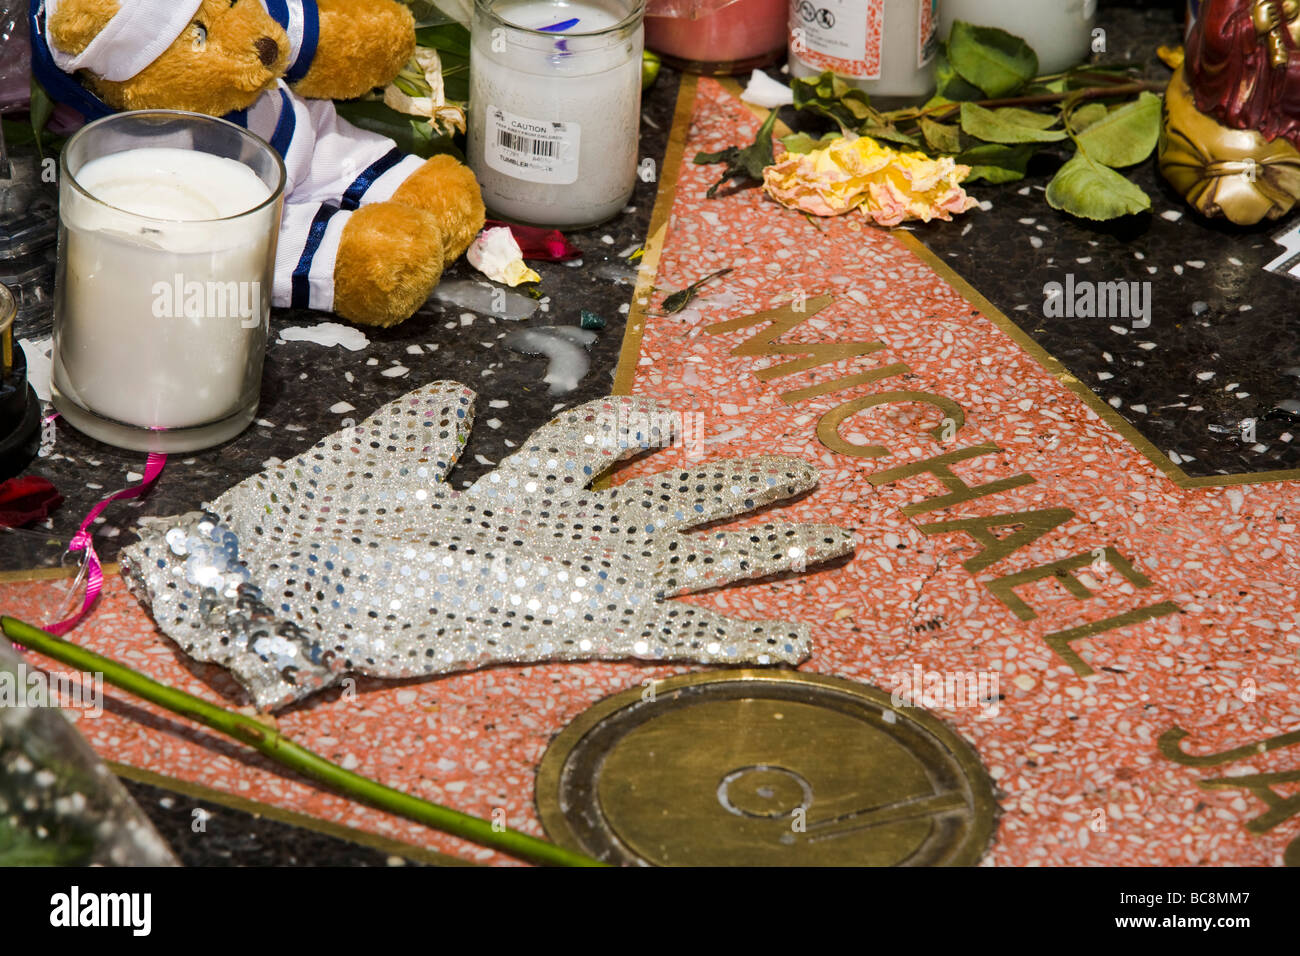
1231	138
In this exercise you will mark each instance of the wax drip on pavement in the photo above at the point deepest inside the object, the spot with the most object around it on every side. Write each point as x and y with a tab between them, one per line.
565	348
327	334
484	298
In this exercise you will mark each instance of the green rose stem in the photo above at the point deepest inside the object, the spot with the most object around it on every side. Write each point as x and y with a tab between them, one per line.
269	742
1039	99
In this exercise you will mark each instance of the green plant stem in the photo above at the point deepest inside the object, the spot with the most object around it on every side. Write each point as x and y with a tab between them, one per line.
269	741
1114	78
1038	99
1067	122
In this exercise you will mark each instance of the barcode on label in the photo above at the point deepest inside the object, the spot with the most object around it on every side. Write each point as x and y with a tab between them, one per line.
542	148
532	149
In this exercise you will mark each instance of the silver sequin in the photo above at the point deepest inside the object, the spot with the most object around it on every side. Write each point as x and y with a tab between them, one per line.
356	557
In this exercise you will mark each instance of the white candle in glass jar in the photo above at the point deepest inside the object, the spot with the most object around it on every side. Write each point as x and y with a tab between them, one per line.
164	297
1060	31
555	114
885	48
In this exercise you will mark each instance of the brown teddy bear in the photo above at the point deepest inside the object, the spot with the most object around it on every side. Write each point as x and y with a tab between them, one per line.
366	230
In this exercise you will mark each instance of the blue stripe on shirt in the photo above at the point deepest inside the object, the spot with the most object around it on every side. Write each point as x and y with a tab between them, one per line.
301	285
352	197
310	38
284	126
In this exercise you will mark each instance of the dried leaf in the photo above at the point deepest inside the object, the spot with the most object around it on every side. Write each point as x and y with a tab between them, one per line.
747	163
681	299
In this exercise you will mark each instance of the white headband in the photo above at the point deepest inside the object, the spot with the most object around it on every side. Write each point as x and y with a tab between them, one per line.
138	34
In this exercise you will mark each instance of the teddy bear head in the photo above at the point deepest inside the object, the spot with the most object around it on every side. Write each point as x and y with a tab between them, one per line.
205	56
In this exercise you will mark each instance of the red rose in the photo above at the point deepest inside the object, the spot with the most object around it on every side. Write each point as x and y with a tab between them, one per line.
549	245
27	499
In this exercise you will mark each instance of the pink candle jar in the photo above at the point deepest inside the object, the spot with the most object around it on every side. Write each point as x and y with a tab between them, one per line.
718	37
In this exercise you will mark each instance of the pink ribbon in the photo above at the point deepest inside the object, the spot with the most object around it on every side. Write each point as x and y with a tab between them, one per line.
83	540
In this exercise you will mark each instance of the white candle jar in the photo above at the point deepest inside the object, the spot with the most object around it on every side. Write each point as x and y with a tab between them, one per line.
1060	31
167	239
555	108
885	48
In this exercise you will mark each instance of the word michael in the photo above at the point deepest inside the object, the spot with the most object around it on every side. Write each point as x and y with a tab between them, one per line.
132	910
950	691
208	300
35	688
1098	300
999	537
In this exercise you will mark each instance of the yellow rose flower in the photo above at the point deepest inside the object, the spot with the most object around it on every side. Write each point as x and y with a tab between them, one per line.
889	186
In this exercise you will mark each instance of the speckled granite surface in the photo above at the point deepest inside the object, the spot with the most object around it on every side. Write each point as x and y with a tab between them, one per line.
1223	346
206	833
1064	747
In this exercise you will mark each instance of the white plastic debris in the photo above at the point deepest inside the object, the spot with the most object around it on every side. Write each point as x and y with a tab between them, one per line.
767	92
39	364
484	299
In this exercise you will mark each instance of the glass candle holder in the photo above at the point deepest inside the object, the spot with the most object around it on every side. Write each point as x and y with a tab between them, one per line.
885	48
719	38
19	406
167	238
555	108
1060	31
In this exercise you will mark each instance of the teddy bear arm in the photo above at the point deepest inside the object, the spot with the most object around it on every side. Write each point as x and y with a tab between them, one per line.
362	44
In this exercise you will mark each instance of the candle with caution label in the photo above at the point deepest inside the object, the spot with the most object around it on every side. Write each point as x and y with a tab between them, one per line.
885	48
555	107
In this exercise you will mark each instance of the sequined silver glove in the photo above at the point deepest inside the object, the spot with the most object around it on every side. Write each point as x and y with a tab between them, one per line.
357	557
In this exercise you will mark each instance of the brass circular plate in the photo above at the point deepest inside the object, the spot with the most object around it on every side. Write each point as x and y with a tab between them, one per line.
764	768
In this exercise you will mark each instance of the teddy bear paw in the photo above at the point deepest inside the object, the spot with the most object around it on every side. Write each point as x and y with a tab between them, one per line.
447	189
390	258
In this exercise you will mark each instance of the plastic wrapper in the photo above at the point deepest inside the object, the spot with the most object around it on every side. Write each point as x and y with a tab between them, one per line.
685	9
28	241
15	56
